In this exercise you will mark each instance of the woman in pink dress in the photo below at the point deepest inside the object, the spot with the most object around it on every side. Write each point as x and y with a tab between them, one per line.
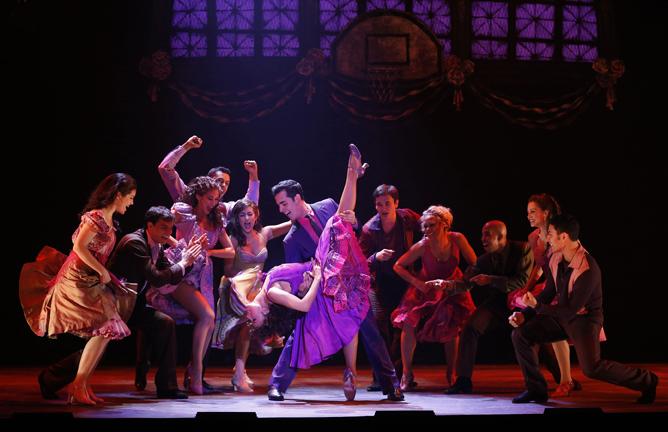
80	299
198	218
425	314
540	208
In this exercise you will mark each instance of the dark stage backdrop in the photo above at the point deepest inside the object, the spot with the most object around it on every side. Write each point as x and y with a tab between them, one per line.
78	110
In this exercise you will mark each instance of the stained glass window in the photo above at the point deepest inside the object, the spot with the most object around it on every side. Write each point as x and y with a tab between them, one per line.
436	14
539	31
580	33
235	28
189	20
334	16
386	4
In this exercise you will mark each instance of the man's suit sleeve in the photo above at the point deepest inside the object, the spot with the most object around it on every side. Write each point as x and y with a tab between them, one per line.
139	260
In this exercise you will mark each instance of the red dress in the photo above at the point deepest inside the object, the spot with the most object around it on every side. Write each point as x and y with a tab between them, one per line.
435	317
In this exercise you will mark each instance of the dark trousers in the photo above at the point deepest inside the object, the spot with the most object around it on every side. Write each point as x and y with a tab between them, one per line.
585	336
382	311
484	318
60	374
156	339
283	374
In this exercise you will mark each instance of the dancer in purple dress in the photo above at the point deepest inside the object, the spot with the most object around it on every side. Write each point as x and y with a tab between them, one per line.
337	300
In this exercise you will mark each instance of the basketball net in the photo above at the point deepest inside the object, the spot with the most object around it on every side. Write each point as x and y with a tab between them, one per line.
383	82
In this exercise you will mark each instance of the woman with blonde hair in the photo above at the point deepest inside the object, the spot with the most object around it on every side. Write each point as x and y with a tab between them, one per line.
425	314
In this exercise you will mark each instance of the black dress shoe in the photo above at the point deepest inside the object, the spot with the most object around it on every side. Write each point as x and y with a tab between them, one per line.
171	394
207	386
140	378
47	393
463	385
395	395
374	387
648	395
274	395
576	385
529	396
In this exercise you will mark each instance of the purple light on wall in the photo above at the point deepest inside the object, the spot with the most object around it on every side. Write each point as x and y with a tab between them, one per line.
489	49
385	4
446	44
580	23
489	19
280	14
326	44
189	14
583	53
188	45
535	21
280	45
235	45
435	13
336	14
235	14
534	51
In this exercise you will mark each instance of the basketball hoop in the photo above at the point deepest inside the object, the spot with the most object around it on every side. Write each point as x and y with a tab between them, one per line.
383	82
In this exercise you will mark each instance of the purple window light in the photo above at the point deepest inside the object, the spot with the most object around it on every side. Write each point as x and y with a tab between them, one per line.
235	45
435	13
235	14
326	44
280	14
188	45
189	14
385	4
280	45
336	14
535	21
489	49
534	51
580	23
489	19
583	53
446	44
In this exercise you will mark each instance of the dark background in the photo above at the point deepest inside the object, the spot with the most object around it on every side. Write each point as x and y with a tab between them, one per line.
78	111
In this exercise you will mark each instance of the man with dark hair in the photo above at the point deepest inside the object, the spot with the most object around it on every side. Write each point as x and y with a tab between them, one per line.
300	245
574	279
176	186
384	238
139	258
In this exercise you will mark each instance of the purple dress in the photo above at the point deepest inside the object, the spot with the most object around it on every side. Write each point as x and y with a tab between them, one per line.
342	301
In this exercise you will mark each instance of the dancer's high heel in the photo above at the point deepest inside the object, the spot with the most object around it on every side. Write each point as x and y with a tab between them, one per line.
187	378
355	161
95	398
240	383
349	389
77	395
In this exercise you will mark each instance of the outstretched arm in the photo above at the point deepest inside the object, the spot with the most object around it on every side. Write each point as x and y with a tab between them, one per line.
167	167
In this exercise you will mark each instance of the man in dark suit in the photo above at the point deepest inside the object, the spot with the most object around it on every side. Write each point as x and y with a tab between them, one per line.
139	258
574	279
300	245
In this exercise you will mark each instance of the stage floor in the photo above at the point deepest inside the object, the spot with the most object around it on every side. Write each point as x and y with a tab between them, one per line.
317	393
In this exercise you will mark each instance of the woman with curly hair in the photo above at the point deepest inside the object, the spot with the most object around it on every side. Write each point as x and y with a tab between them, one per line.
80	299
241	284
197	216
425	314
